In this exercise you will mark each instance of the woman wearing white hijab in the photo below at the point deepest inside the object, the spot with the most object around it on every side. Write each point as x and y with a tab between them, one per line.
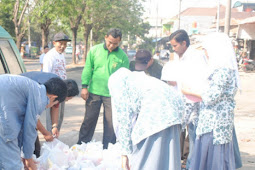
214	145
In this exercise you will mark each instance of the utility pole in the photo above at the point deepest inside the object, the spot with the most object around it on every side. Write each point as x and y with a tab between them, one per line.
157	27
227	17
179	15
218	17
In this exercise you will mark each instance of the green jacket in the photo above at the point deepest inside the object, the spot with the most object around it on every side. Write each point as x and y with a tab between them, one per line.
100	64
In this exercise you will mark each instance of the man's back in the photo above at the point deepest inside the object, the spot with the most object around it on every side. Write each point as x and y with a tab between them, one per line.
40	77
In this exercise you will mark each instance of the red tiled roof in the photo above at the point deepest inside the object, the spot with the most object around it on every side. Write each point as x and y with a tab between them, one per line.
238	15
195	11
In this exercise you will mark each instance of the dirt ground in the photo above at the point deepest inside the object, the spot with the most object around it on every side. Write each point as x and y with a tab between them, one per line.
244	115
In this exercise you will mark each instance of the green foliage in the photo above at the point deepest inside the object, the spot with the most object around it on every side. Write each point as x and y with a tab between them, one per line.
6	16
123	14
147	44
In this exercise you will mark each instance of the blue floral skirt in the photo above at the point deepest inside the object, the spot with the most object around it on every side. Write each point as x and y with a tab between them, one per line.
207	156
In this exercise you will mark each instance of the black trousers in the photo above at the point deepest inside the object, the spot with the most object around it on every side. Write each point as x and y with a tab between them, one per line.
93	105
37	147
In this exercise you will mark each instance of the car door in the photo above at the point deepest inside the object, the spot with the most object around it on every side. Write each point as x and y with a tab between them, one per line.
10	59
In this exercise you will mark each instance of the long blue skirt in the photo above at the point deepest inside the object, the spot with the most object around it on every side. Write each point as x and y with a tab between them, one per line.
160	151
207	156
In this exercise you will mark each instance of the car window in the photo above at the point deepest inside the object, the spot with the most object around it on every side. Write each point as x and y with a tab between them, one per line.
10	57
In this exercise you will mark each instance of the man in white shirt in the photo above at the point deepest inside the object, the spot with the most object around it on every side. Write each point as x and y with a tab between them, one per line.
54	62
190	71
156	55
45	50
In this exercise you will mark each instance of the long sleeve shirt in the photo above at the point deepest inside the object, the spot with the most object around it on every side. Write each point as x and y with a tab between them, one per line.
217	110
142	106
21	102
100	64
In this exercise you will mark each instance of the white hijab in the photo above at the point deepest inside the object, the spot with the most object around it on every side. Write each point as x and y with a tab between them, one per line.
221	53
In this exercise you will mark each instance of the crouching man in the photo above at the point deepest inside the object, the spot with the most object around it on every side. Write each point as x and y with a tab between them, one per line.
22	100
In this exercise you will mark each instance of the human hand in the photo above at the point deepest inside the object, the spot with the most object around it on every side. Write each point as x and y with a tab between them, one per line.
84	93
125	162
55	132
185	89
29	164
48	137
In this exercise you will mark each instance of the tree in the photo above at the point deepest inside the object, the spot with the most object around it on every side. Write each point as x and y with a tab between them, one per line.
123	14
6	8
73	11
18	20
43	14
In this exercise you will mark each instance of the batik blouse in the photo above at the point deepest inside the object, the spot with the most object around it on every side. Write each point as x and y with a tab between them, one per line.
141	106
217	109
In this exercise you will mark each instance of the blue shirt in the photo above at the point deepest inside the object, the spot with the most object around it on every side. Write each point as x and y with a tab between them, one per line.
141	106
21	102
40	77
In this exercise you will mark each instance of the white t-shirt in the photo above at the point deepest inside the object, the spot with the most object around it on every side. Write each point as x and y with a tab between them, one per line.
156	57
41	58
55	62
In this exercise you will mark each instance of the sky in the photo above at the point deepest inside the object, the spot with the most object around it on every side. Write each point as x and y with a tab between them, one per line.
170	8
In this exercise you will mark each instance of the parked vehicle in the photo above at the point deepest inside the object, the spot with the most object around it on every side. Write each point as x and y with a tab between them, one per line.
164	54
10	58
131	54
69	50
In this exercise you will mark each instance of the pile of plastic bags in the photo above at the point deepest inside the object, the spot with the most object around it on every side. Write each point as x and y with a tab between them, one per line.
56	155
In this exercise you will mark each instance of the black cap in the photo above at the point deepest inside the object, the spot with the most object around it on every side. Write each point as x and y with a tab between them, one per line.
142	57
61	37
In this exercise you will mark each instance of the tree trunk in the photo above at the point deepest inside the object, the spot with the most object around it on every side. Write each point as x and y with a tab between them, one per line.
74	32
87	28
17	20
45	32
19	40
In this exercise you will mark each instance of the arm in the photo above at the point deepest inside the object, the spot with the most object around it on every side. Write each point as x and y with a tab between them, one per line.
216	88
30	164
125	162
54	119
33	107
189	91
125	62
46	134
86	76
47	63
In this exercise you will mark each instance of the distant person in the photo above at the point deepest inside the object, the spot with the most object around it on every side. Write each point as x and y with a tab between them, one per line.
72	90
45	50
22	101
54	62
191	72
214	145
102	61
144	62
156	55
77	52
147	120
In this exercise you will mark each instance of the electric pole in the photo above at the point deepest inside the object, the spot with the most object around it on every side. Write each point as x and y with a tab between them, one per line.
179	15
218	17
227	17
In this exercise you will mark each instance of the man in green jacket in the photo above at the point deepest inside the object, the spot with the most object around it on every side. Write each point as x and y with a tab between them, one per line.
102	61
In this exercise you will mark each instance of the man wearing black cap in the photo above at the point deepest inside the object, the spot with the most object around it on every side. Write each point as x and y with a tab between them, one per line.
54	62
145	62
